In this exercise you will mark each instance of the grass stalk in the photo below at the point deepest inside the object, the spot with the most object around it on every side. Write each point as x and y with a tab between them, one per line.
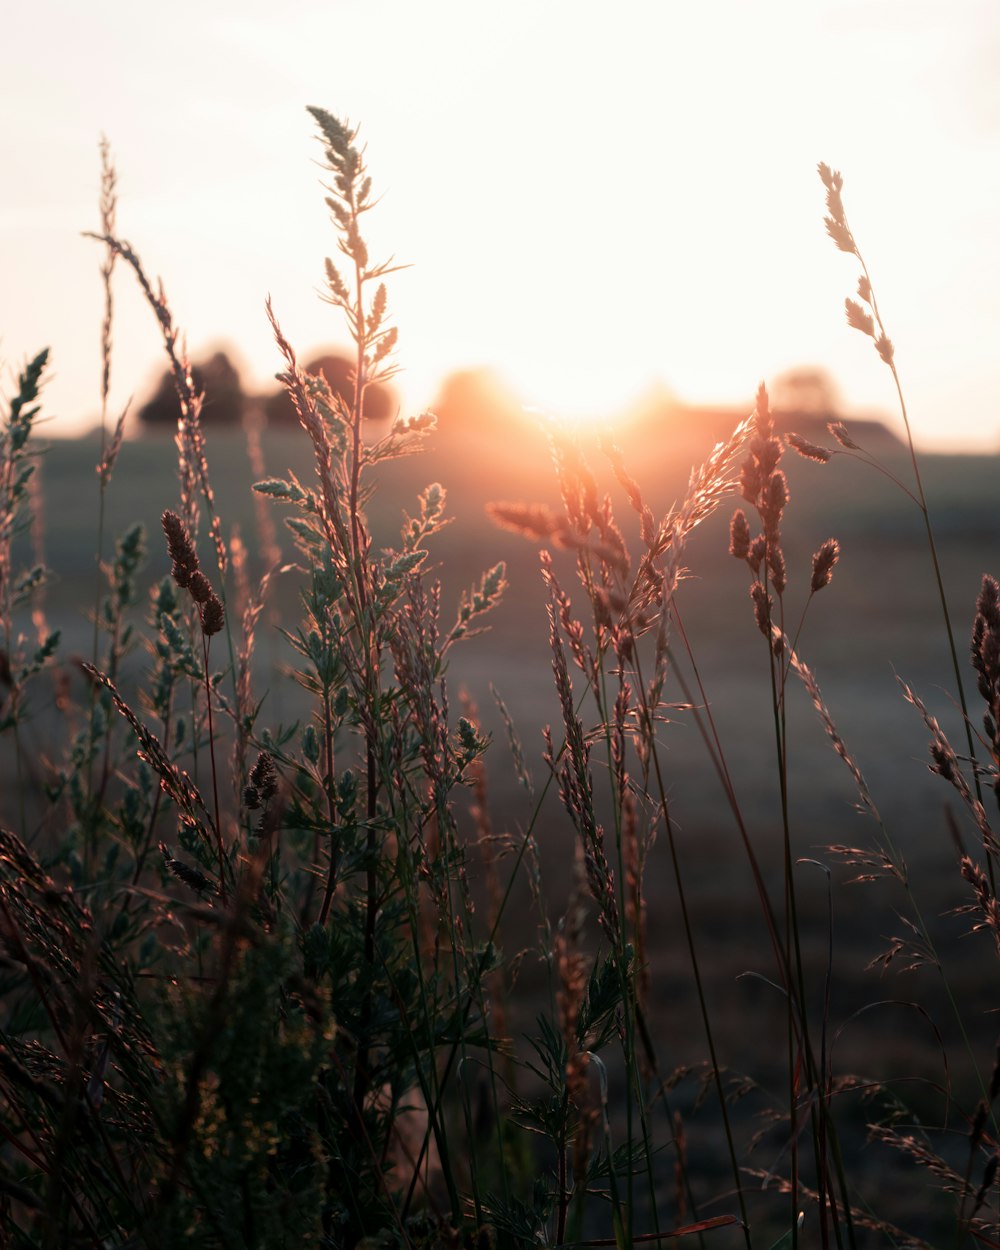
215	774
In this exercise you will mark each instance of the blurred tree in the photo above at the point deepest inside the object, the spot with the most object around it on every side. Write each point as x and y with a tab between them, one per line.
806	390
338	369
477	401
218	377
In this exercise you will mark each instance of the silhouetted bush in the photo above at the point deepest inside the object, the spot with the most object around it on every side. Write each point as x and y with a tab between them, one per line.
380	400
218	377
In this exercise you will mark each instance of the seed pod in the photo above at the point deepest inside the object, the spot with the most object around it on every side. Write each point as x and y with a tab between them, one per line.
212	615
180	549
823	562
200	587
739	535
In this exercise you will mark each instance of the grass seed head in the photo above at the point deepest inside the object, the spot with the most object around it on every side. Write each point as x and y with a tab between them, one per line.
811	451
776	564
739	535
762	605
839	431
858	318
200	587
212	614
822	564
180	549
758	549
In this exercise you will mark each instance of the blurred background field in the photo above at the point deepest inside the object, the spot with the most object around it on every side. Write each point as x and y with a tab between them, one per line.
877	619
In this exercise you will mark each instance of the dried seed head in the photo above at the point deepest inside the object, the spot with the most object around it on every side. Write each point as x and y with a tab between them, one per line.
775	498
180	549
739	535
263	778
212	614
884	348
945	761
834	184
263	782
776	563
985	898
823	562
777	492
858	318
811	451
106	467
988	601
534	521
762	605
986	639
758	549
192	877
839	432
831	180
762	412
750	480
841	235
200	587
972	873
768	453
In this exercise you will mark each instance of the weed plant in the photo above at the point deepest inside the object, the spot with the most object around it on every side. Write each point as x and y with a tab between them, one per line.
258	984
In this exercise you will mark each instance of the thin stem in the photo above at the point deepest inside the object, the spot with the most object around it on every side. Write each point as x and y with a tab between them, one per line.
647	723
331	876
940	586
108	205
215	779
880	468
693	953
370	645
922	499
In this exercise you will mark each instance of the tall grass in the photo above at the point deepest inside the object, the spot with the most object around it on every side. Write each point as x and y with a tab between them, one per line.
265	983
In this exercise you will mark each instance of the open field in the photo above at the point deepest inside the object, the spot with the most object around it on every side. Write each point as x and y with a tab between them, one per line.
877	619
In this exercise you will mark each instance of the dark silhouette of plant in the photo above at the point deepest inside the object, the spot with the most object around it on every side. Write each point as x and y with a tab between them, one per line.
216	377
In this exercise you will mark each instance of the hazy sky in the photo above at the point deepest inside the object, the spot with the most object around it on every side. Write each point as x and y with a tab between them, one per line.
594	198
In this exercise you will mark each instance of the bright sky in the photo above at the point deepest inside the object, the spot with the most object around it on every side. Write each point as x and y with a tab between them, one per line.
594	198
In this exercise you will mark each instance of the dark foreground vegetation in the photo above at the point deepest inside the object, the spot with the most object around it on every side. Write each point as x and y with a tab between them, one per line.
274	971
